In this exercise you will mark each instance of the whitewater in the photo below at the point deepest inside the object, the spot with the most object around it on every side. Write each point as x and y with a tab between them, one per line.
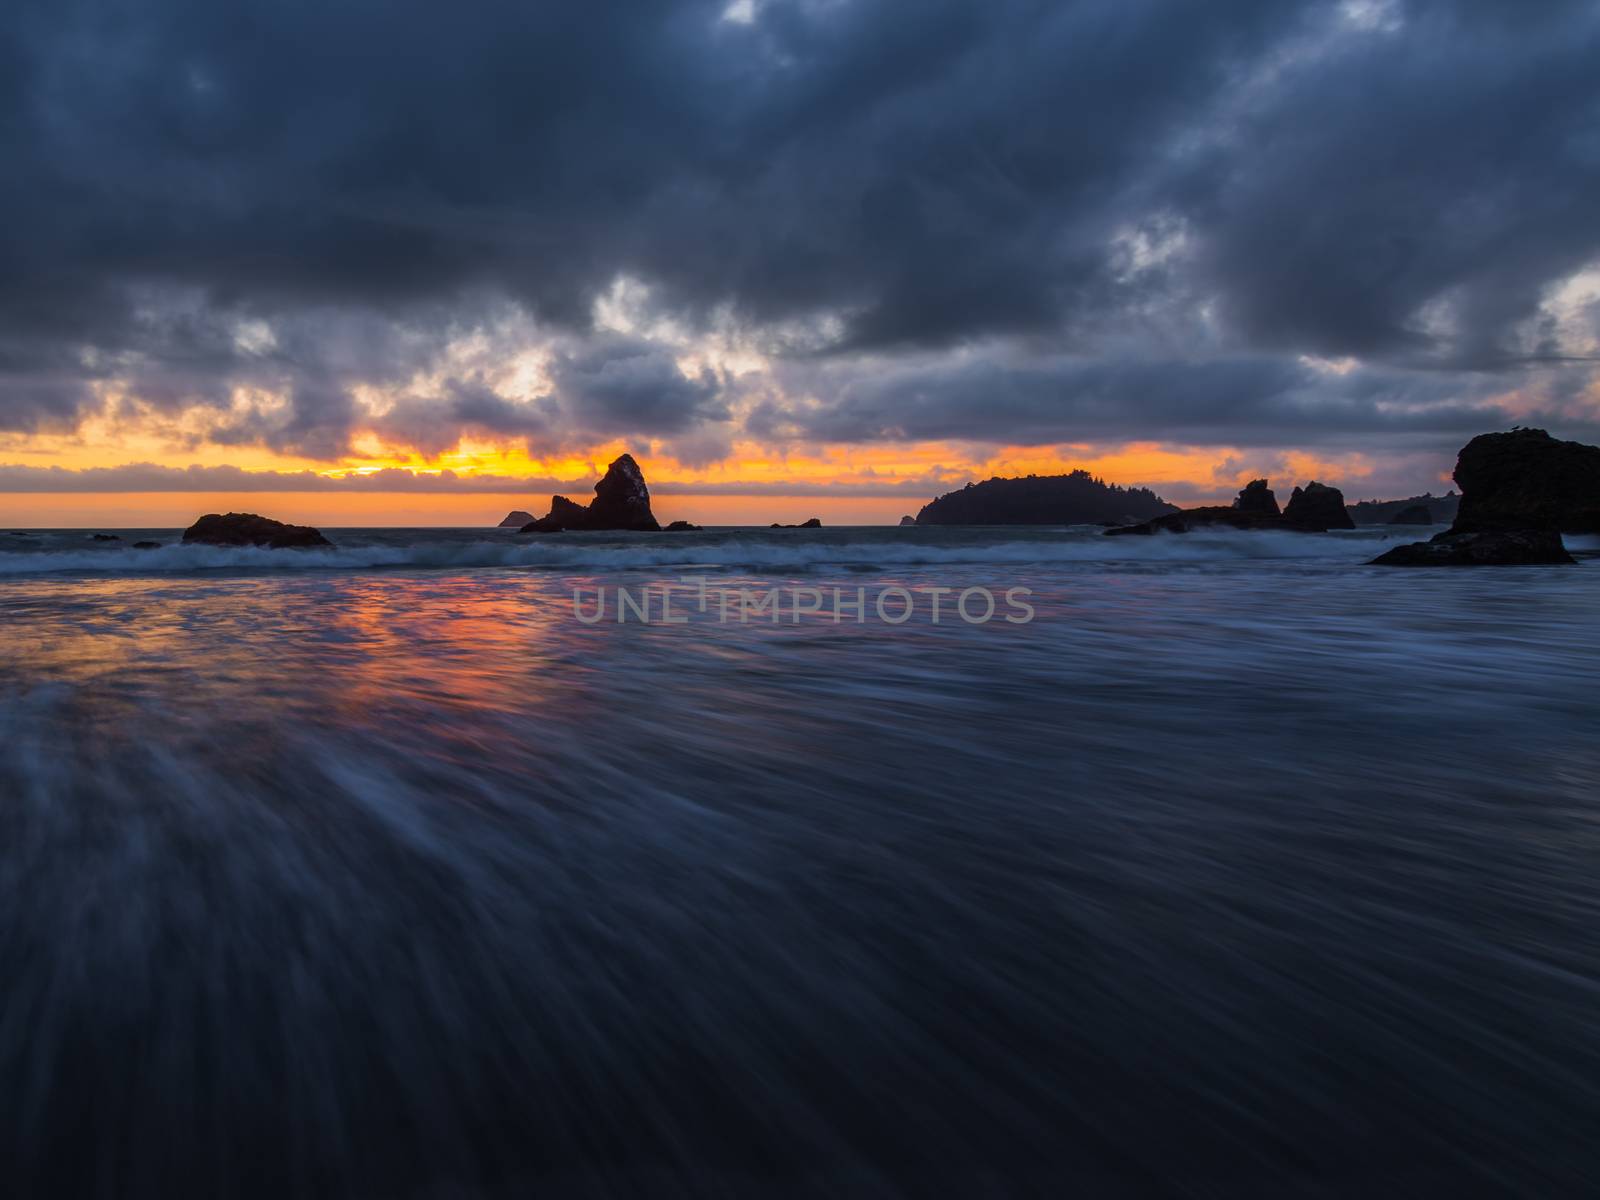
1242	869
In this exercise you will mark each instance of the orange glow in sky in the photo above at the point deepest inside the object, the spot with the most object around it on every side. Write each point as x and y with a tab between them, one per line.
889	480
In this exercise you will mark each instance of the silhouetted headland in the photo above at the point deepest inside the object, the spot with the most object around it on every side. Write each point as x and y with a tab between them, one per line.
1077	498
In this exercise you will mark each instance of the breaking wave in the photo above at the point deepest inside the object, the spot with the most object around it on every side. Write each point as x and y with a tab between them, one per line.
437	551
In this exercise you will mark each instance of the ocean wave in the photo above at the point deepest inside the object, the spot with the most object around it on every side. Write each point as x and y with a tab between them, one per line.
649	552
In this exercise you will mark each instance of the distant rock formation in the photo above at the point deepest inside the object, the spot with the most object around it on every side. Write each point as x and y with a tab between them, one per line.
813	523
621	502
1486	548
1416	514
1077	498
1255	508
682	527
904	521
1526	479
247	529
1257	497
516	520
1383	512
1520	491
104	537
1316	508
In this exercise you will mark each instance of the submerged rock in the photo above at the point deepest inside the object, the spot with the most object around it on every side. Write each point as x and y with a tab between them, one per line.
104	537
682	527
1417	514
1257	497
1520	547
813	523
1526	479
516	520
247	529
147	545
1317	508
621	502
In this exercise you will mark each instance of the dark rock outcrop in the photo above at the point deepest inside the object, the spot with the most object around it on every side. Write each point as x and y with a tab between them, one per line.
1316	508
247	529
516	520
1520	491
904	521
563	514
813	523
1526	479
682	527
1077	498
1254	508
147	545
104	537
1520	547
1417	514
621	502
1257	497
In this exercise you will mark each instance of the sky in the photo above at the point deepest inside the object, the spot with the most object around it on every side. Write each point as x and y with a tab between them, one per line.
380	261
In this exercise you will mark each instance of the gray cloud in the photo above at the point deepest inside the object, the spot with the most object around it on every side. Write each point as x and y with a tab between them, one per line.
1013	221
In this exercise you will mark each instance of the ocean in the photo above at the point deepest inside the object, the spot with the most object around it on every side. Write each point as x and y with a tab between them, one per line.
1237	868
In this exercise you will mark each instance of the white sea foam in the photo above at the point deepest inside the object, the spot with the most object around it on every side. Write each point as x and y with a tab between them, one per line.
780	552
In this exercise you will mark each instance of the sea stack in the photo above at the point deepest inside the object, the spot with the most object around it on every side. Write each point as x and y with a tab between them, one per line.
621	502
1520	491
1257	497
1317	508
516	520
247	529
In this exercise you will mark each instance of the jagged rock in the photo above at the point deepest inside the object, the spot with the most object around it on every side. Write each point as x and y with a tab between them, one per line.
247	529
563	514
1526	479
621	501
682	527
904	521
1077	498
813	523
1317	508
1257	497
516	520
1417	514
1520	547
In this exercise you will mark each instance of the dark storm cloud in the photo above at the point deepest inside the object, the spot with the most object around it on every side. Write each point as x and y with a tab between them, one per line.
1257	400
1403	182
